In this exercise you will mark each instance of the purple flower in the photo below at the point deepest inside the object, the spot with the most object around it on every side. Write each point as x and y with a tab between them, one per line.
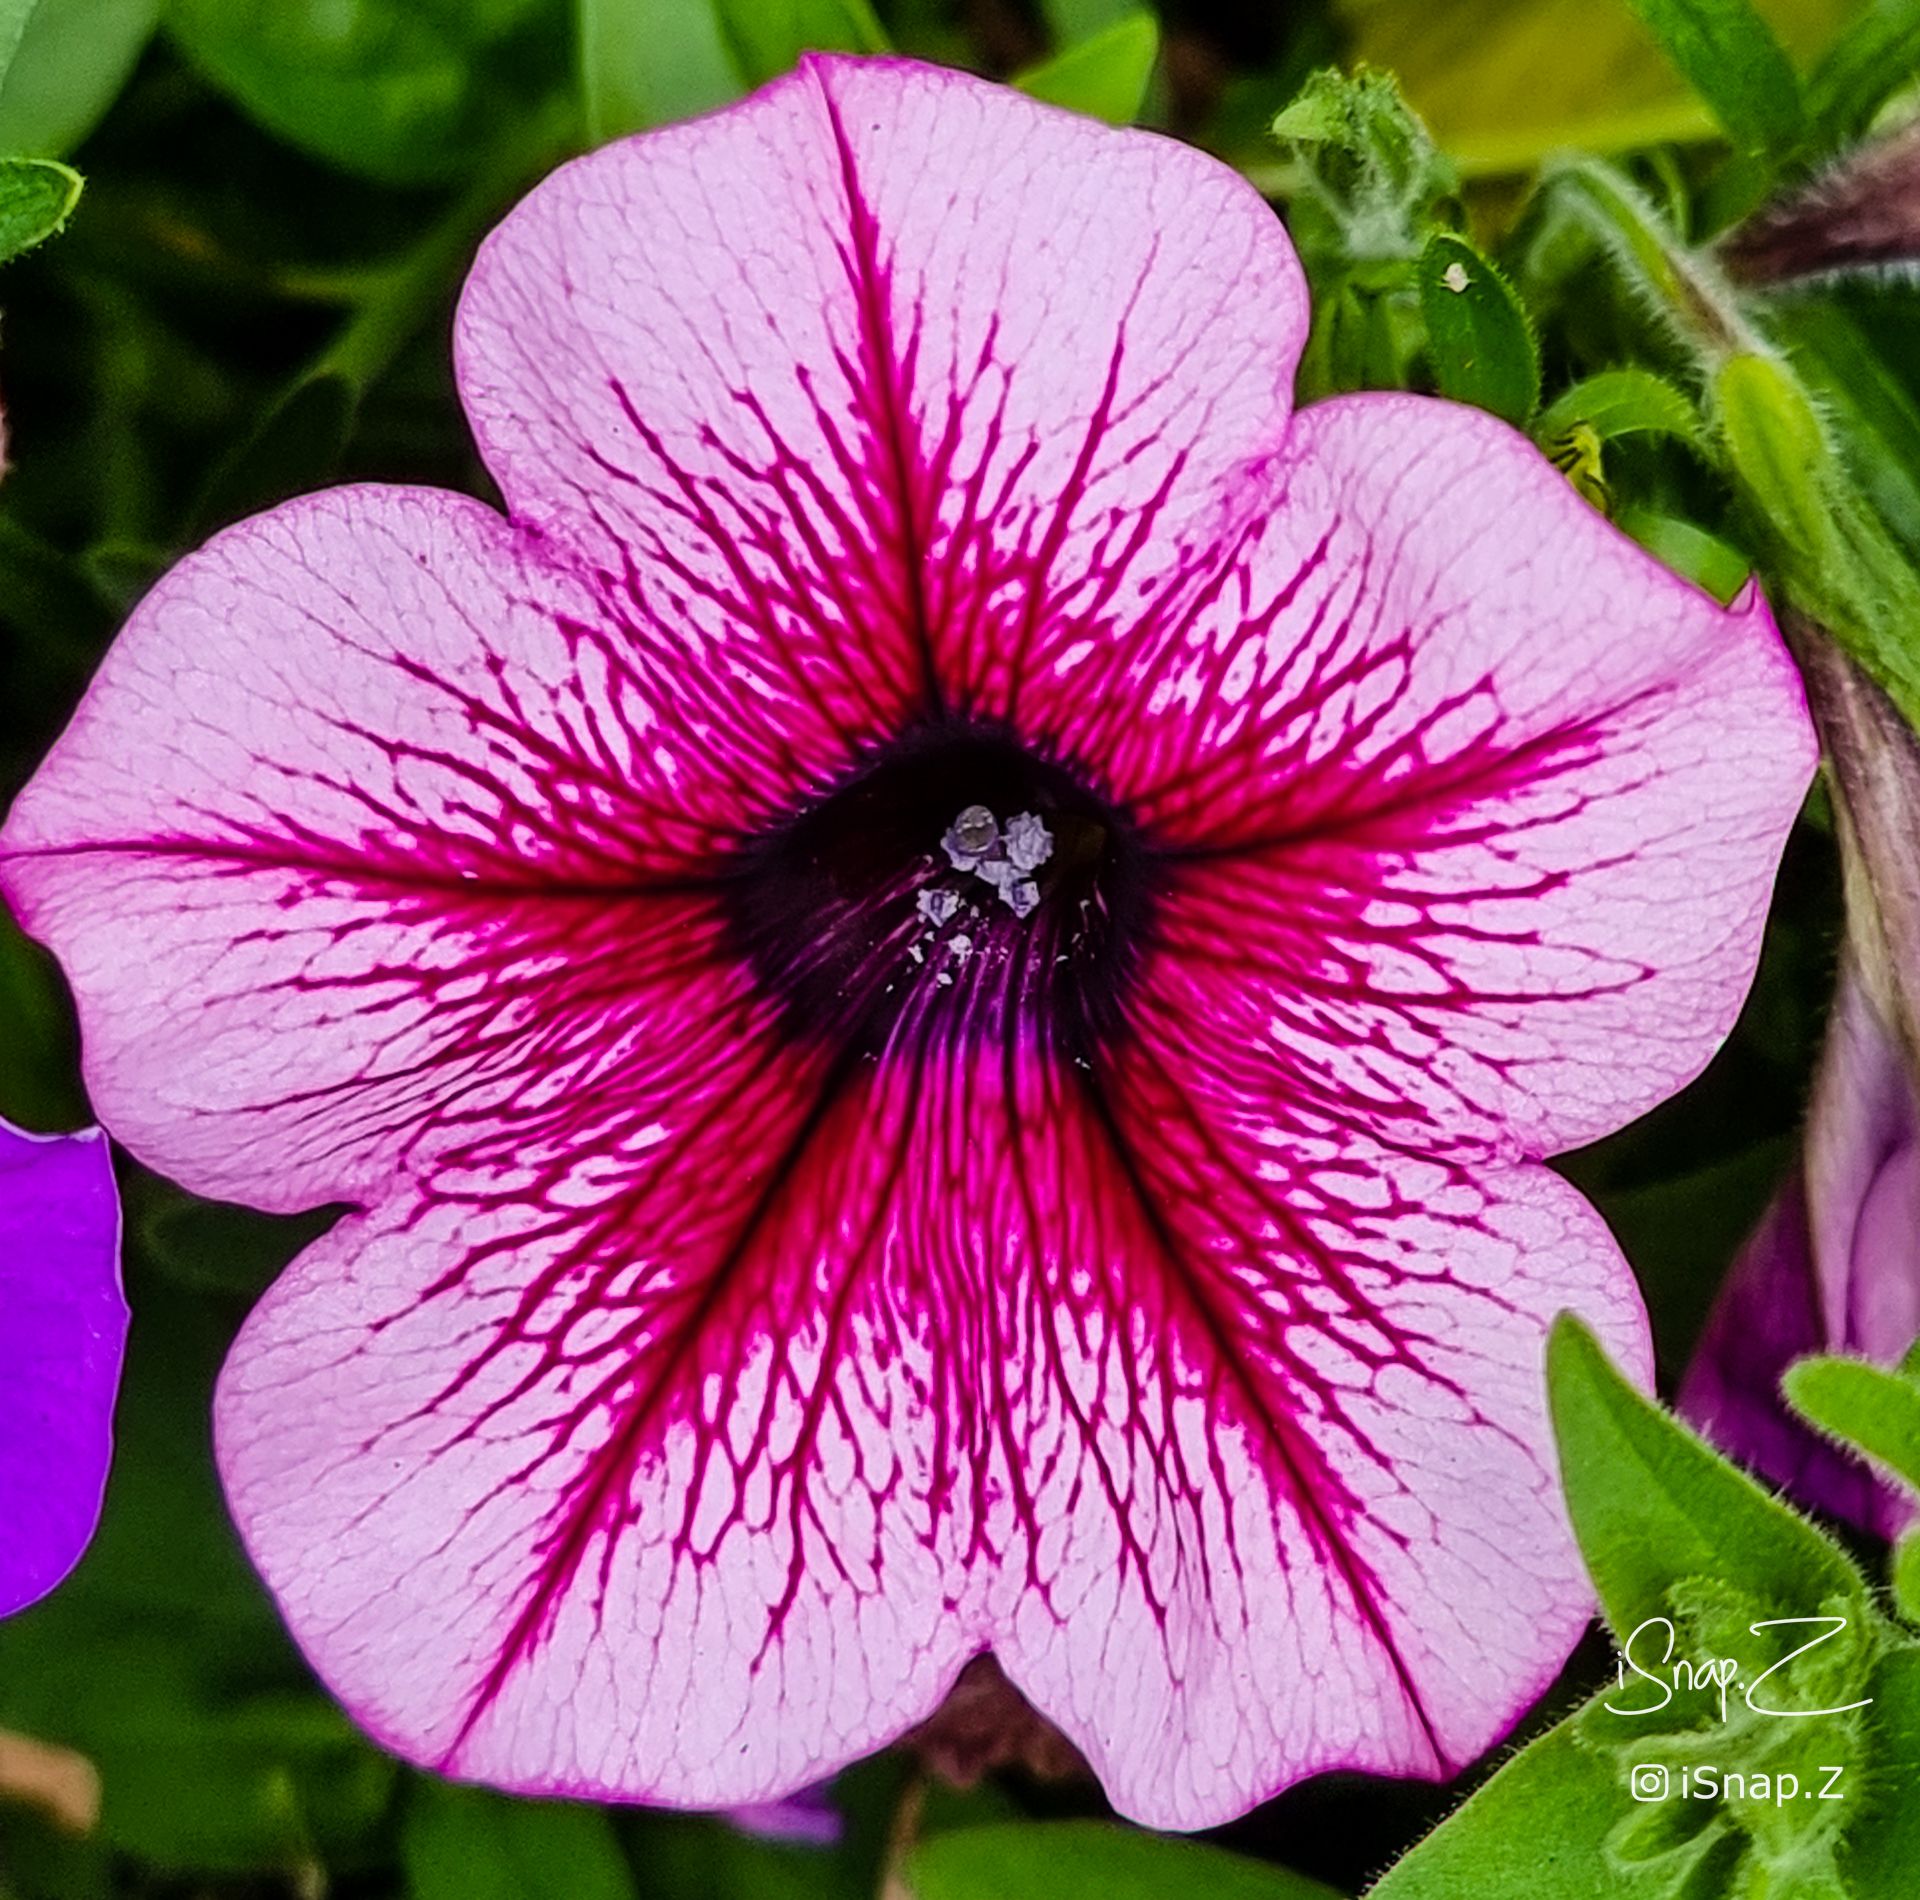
1835	1265
63	1326
941	971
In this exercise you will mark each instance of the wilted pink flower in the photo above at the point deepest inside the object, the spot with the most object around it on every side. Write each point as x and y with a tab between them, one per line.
63	1326
940	971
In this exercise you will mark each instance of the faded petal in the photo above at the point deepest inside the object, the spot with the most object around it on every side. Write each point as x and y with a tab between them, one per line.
1449	765
1862	214
879	383
63	1327
395	823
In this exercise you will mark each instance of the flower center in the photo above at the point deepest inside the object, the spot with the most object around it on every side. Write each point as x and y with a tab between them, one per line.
955	885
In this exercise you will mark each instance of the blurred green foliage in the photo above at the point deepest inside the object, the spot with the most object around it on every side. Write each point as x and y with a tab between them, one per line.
253	298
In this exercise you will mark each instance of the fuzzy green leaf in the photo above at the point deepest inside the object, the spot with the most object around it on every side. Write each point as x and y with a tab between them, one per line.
37	197
1478	336
1536	1831
1652	1505
1620	402
1865	1406
1883	1846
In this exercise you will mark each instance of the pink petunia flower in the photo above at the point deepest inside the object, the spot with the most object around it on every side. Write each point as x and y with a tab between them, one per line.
940	972
63	1328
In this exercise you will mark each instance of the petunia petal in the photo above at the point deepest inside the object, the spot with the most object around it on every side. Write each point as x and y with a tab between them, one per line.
1443	770
709	1476
645	1490
1285	1448
866	386
362	817
63	1327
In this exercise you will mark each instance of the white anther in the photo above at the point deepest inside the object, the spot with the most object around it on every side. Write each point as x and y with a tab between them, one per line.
1029	842
938	906
970	837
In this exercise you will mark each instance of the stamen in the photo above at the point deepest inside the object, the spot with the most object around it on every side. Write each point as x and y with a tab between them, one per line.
970	837
956	884
1002	861
1029	842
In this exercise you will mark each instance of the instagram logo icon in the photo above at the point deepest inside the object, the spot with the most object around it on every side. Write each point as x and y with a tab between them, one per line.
1648	1782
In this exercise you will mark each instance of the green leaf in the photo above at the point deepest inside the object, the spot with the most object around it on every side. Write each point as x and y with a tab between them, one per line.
1873	59
1873	1410
1729	55
1883	1846
1904	1579
1868	405
67	68
14	15
649	62
1480	341
767	37
462	1843
1091	1860
1828	550
1536	1831
1621	402
404	91
1105	76
1652	1505
1070	21
37	197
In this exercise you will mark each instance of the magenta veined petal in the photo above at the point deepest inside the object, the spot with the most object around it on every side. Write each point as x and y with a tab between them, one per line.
799	1510
939	976
1442	873
865	381
63	1328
